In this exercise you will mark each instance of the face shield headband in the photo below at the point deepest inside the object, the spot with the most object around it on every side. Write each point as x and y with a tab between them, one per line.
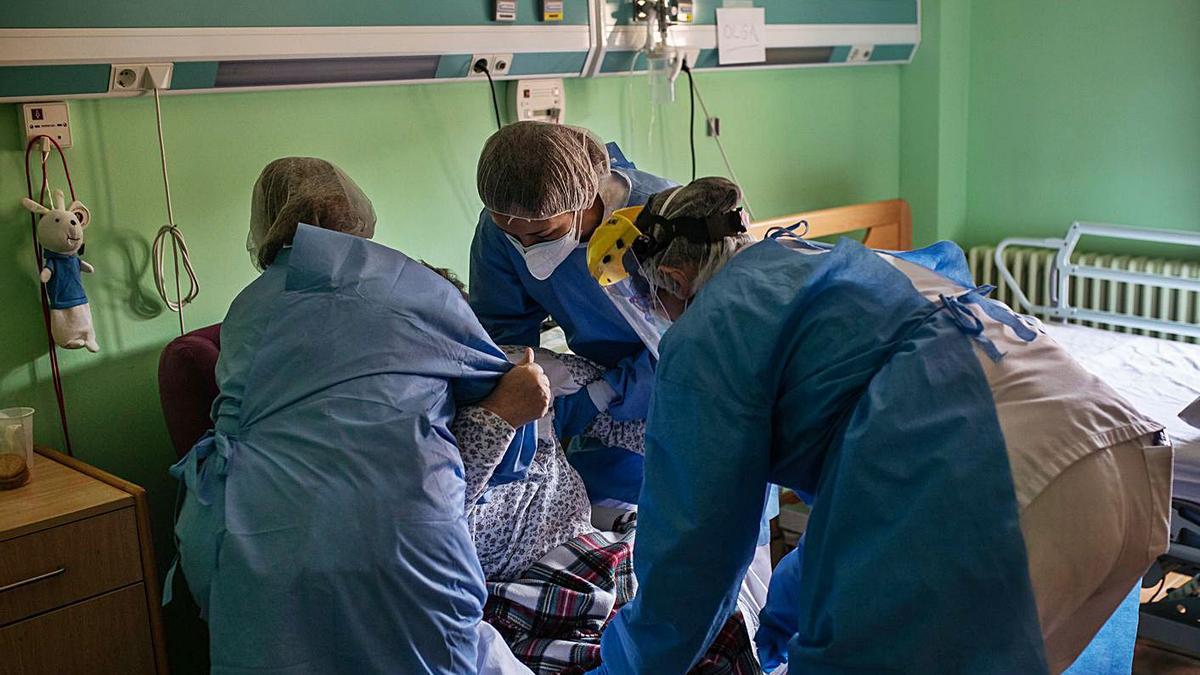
619	249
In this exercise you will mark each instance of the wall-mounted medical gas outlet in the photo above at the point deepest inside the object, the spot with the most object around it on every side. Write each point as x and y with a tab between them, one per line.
860	53
506	10
676	11
51	119
496	64
552	10
133	77
538	100
685	12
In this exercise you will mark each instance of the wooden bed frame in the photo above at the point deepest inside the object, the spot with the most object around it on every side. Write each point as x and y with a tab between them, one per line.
888	223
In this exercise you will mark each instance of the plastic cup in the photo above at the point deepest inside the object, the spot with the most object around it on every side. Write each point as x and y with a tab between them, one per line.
16	433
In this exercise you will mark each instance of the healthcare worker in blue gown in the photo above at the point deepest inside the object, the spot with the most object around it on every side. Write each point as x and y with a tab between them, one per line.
980	502
545	188
322	528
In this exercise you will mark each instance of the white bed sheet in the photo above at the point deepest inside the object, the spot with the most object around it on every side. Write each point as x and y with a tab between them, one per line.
1159	377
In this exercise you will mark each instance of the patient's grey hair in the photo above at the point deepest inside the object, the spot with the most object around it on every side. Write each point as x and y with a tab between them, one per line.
701	198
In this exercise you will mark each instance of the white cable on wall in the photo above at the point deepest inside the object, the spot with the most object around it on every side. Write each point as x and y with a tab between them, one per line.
179	249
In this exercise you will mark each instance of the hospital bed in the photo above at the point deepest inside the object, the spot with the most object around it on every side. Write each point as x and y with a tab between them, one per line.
1160	377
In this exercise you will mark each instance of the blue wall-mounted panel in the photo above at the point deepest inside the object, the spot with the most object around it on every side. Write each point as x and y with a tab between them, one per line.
810	11
623	62
77	80
453	65
54	80
885	53
196	75
617	63
554	62
253	13
456	65
797	34
892	26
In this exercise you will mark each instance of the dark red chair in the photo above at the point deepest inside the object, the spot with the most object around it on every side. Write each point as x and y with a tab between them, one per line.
187	385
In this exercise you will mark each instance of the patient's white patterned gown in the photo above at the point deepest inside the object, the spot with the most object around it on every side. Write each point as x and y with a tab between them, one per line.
515	524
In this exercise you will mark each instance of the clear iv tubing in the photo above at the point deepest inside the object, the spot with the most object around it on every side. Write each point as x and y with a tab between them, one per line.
179	247
725	157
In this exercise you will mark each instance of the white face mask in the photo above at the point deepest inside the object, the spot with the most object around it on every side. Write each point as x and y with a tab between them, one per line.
542	259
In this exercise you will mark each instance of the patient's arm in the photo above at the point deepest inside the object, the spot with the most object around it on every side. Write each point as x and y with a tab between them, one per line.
483	437
616	434
629	435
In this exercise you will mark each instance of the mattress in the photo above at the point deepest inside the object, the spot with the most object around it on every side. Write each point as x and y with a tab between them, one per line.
1159	377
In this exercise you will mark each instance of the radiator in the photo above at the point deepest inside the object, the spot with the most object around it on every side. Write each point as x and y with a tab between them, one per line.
1031	268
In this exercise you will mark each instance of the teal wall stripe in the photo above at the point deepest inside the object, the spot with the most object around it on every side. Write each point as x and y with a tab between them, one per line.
892	52
812	11
54	80
539	63
619	62
623	62
550	62
709	58
228	13
453	66
194	75
91	79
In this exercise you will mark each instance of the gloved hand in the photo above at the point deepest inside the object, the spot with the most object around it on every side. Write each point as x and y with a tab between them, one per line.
780	616
633	383
573	413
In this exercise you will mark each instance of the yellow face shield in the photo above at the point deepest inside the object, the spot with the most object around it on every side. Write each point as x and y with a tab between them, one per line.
609	245
614	266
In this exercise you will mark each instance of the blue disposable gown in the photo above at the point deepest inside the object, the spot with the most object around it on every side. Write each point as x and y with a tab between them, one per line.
323	527
831	375
511	305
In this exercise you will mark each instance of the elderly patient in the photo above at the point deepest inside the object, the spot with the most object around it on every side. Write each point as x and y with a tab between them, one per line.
515	524
323	526
554	580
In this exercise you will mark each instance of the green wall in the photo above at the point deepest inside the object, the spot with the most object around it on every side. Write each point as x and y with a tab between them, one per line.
1020	117
1083	110
800	139
933	123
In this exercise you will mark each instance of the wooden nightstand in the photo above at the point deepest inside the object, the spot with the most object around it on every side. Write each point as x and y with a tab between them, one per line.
78	588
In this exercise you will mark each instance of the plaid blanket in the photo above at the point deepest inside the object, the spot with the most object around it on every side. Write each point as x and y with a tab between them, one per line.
553	615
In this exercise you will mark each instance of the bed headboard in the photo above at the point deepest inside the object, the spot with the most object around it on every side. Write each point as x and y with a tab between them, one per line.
888	223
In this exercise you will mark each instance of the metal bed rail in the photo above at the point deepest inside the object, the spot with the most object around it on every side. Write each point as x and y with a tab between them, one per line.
1064	271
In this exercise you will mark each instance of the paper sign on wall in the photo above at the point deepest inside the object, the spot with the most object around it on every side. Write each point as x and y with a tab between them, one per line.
741	35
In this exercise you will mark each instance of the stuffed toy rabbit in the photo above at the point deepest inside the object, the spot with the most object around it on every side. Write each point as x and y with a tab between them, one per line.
60	233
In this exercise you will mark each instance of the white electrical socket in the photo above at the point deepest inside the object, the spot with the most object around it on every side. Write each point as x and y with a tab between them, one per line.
860	53
134	77
51	119
498	64
501	64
